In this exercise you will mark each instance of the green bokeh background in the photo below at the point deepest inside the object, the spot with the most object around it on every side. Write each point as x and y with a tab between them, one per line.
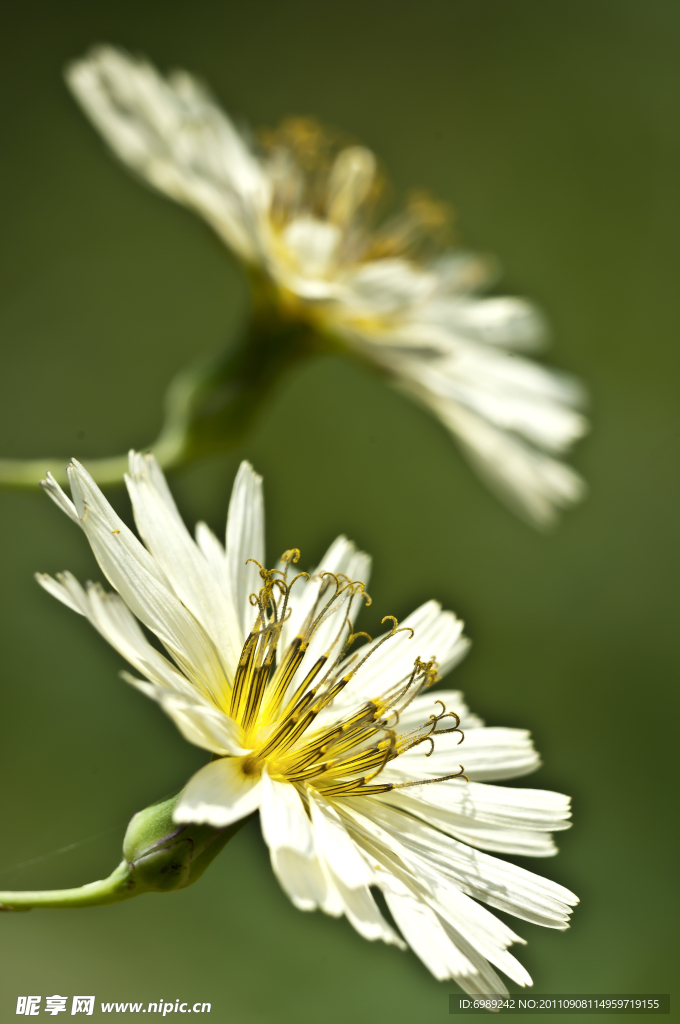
554	129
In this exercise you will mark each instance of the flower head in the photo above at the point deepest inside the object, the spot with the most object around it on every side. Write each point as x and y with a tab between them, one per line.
362	777
300	209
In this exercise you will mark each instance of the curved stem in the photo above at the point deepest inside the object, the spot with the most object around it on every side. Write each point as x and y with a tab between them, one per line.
109	471
207	406
170	448
118	886
22	473
159	856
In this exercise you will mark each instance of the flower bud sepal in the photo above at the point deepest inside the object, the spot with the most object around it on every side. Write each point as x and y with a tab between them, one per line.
164	856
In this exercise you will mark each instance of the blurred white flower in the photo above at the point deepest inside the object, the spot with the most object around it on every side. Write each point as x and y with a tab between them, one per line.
355	769
300	210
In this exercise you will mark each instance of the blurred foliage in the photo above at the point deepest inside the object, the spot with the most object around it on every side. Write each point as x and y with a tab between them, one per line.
555	131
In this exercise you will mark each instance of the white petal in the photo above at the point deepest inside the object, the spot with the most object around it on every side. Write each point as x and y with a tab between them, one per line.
532	483
219	794
489	817
484	981
385	286
216	557
363	914
421	899
497	405
59	498
67	590
493	753
348	871
184	565
295	859
305	882
494	838
312	244
475	924
427	938
334	844
486	754
285	824
245	540
173	135
199	721
536	809
501	885
313	866
141	583
436	634
111	617
504	321
510	393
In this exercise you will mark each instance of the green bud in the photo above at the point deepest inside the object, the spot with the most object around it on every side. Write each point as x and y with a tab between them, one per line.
163	856
159	856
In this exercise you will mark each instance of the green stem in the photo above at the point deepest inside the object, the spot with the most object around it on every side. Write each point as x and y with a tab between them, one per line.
159	856
118	886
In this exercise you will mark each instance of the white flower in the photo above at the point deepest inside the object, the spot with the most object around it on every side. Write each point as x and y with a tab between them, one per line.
300	211
355	769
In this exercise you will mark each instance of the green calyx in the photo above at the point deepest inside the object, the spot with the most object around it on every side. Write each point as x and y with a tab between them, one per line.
164	856
159	856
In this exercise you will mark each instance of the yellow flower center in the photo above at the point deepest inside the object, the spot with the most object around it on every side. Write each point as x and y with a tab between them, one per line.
278	710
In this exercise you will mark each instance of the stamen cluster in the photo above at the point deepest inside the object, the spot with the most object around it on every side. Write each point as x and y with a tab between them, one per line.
277	711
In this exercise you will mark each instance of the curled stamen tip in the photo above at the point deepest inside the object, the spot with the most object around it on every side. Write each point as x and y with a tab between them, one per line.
429	669
355	636
292	555
396	629
360	588
445	732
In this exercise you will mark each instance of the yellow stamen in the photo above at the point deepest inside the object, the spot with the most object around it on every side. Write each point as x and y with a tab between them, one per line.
342	759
